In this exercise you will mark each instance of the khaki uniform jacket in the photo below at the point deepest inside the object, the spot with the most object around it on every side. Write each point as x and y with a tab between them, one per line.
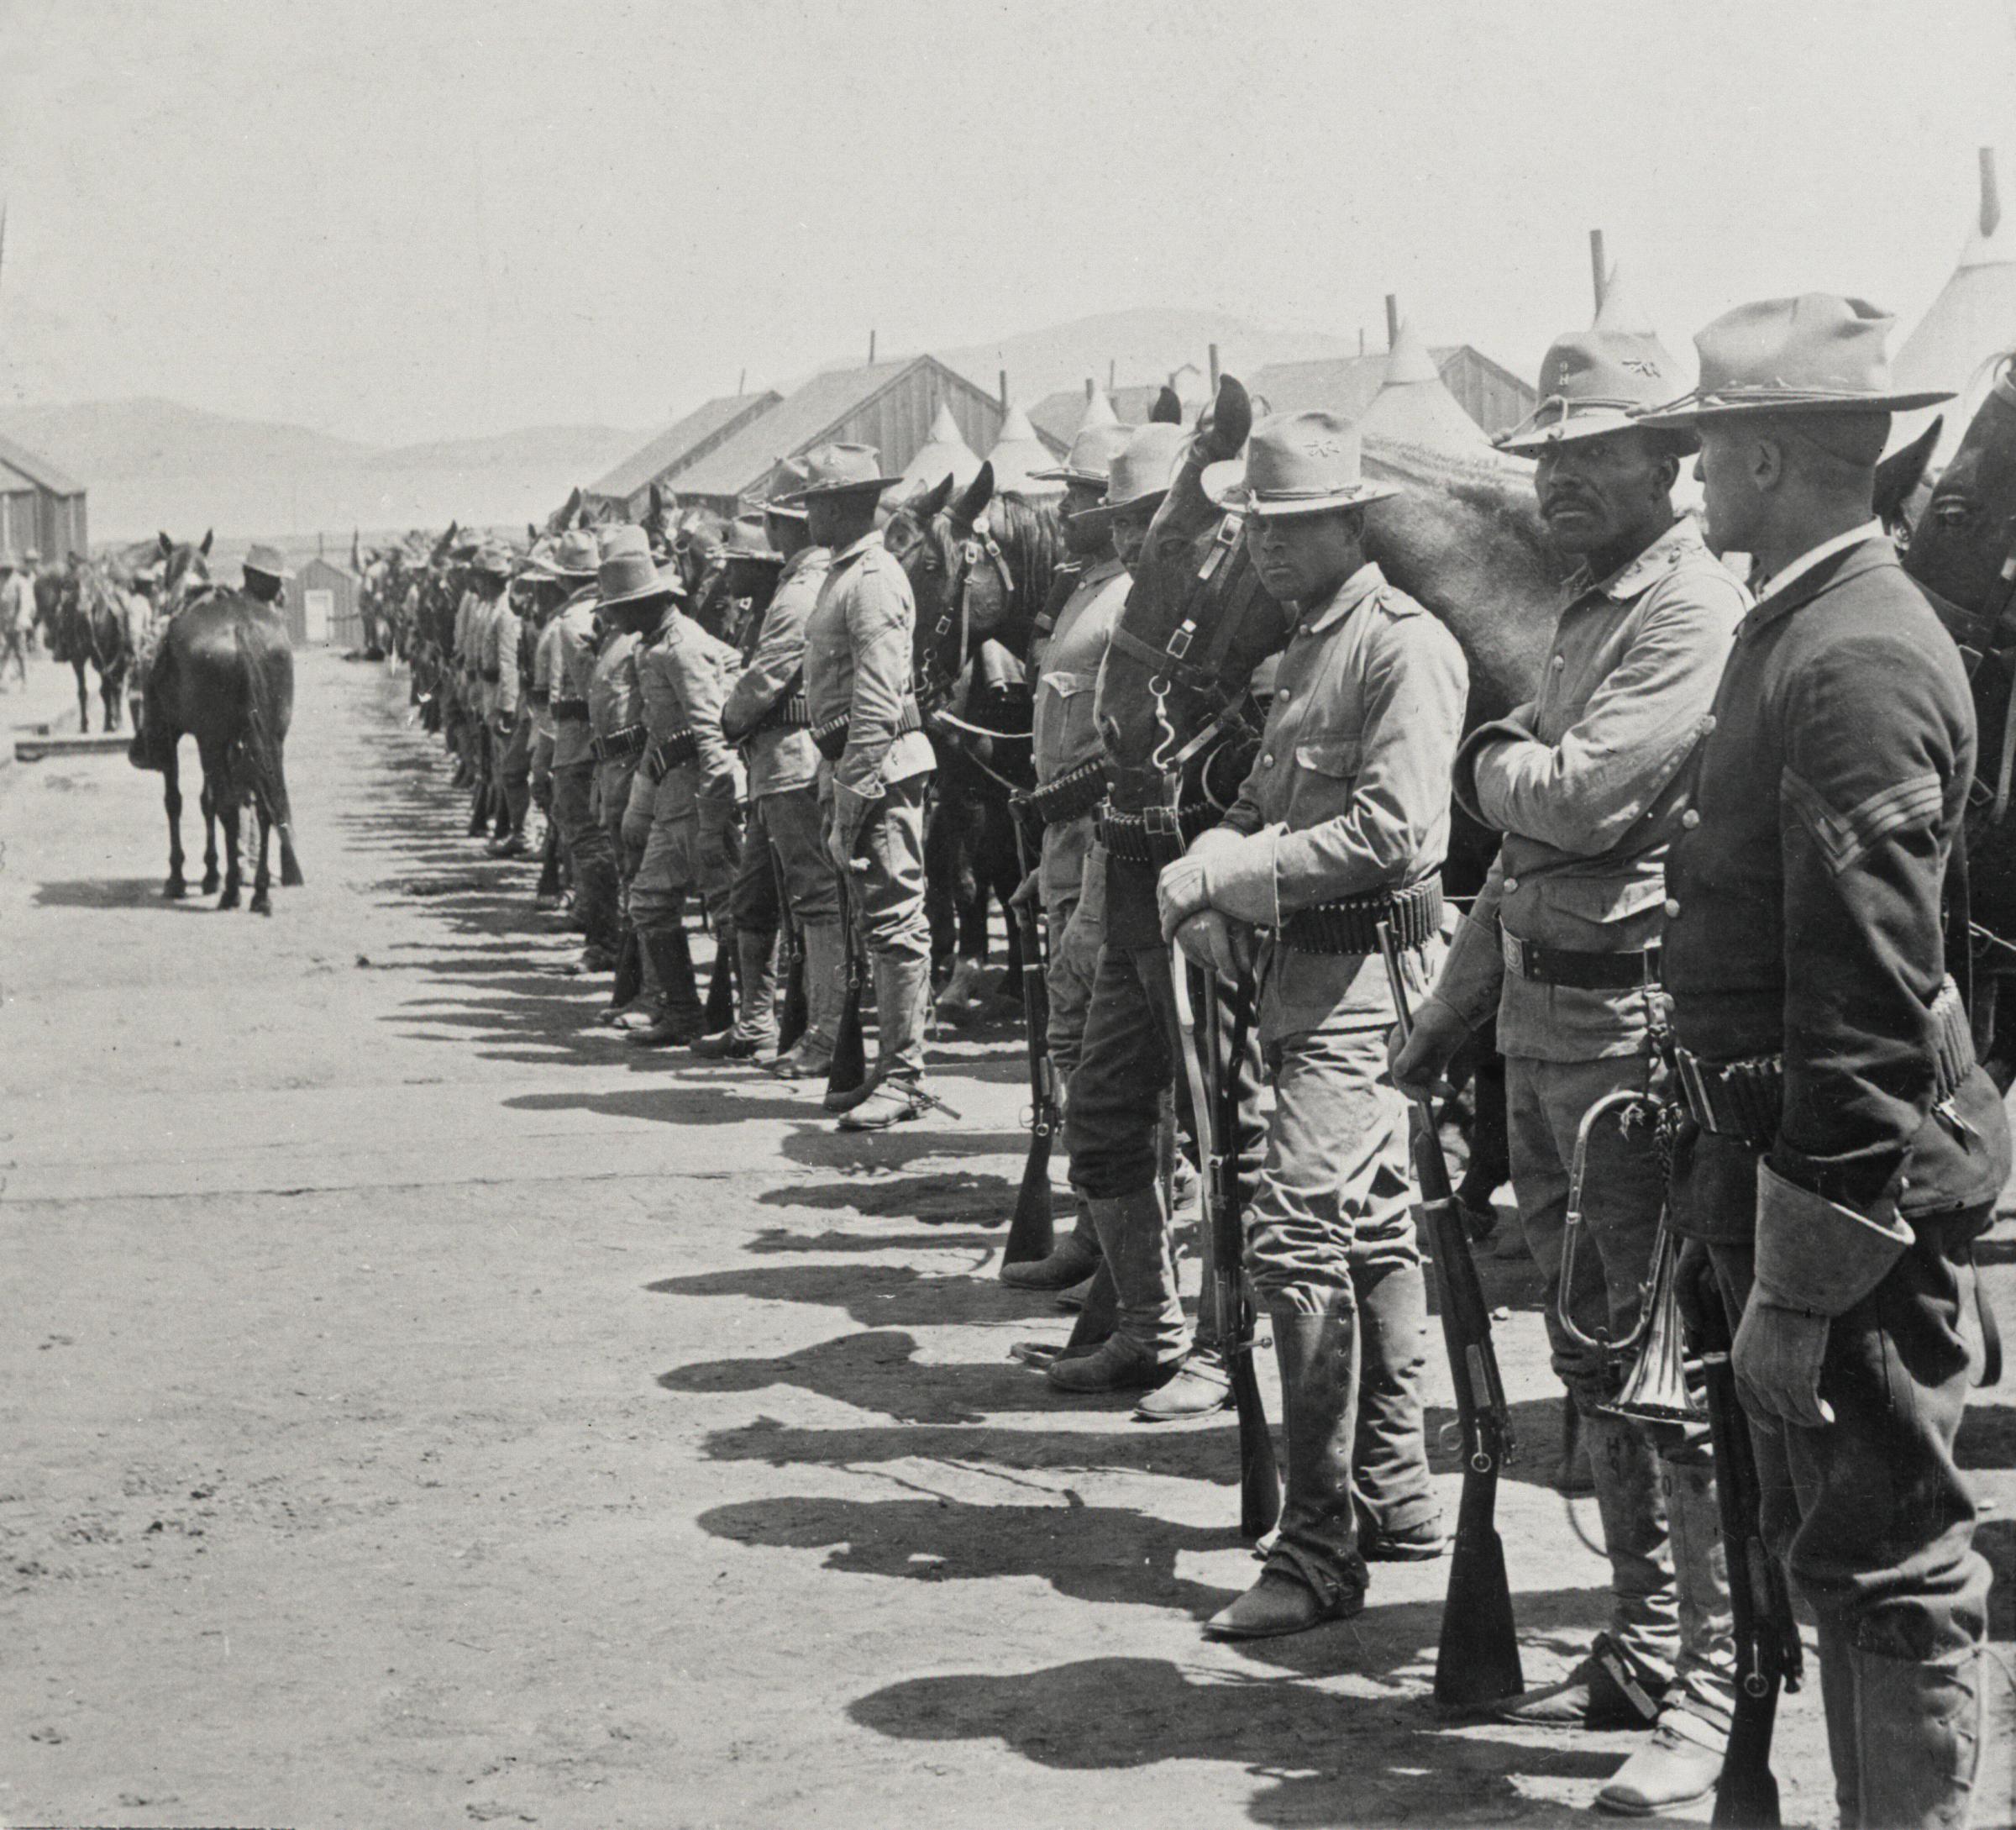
1350	793
681	677
573	674
858	644
779	758
616	700
545	671
1588	784
497	658
1068	670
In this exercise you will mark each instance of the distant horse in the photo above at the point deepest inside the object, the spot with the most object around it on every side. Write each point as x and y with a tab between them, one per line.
91	630
981	569
223	674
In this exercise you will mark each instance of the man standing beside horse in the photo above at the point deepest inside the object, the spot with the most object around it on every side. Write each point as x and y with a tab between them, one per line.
17	616
1845	1150
1588	784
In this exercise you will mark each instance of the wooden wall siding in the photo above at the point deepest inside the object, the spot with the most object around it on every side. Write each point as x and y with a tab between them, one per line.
55	526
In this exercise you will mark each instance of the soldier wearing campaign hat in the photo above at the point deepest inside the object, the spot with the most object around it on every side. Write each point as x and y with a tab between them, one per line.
1341	824
859	638
1588	784
591	852
1845	1149
560	572
1068	881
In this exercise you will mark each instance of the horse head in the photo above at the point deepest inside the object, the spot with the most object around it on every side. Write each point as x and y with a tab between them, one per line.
1196	624
185	569
1967	531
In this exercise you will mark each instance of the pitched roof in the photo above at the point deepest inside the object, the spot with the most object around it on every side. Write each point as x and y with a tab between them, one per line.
38	470
676	446
1968	326
741	461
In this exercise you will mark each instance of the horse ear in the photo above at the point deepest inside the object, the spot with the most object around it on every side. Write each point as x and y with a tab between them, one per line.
1167	410
167	547
209	534
657	502
1222	431
1903	471
973	503
931	504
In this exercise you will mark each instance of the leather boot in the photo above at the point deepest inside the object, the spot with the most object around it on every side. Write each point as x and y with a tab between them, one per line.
902	997
1683	1759
1072	1259
1390	1455
825	994
755	1025
1148	1336
679	1017
1098	1313
1624	1680
1314	1572
1202	1384
1917	1740
643	1010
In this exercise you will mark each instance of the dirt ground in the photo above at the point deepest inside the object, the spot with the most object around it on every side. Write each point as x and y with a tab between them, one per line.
421	1410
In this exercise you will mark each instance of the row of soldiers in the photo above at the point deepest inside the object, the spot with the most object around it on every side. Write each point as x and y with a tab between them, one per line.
1726	818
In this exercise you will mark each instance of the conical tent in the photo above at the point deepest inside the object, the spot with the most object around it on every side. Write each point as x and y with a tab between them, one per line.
1016	454
1414	407
1099	412
1971	324
944	454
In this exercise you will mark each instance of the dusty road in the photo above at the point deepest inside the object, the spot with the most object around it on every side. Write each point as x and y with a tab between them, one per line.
419	1411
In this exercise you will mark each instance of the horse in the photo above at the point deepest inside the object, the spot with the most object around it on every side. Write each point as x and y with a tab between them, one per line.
91	629
1177	716
1956	552
981	571
223	674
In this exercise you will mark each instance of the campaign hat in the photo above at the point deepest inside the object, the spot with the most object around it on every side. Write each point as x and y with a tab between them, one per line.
1594	383
841	470
267	561
573	556
1090	458
627	573
1143	469
1296	463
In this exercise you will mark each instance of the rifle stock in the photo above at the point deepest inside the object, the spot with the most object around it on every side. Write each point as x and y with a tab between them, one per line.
1214	1084
849	1068
721	986
1477	1657
1769	1657
790	966
1032	1232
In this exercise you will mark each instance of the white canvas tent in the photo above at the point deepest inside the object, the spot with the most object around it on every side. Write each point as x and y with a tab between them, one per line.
1016	453
1414	406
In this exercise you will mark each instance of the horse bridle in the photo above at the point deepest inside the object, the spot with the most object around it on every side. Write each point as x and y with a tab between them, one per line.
1172	667
977	543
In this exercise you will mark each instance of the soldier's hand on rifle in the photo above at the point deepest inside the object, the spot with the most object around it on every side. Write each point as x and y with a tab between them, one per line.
1217	944
1028	893
1180	894
1778	1363
1419	1064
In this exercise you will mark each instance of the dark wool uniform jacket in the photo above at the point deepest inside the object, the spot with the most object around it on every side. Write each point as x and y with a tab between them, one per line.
1803	911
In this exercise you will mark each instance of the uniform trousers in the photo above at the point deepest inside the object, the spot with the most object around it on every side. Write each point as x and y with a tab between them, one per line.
1071	881
886	891
589	845
667	853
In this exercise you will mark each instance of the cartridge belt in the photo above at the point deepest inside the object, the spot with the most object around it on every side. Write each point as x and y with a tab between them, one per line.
1077	791
1585	971
569	710
787	713
539	696
1351	924
831	736
682	746
1155	835
1744	1098
491	675
620	746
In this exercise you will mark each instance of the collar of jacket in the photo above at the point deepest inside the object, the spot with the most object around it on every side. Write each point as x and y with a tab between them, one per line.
803	561
1349	595
1853	562
1680	542
1103	572
868	543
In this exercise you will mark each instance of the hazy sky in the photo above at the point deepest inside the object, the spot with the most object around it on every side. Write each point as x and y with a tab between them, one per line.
418	219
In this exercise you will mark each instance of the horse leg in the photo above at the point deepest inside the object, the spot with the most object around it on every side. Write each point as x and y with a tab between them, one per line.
171	799
83	699
224	798
108	694
207	802
262	901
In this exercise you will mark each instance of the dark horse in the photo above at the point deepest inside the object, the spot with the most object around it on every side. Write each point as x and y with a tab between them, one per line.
223	674
981	569
1464	539
1962	553
91	630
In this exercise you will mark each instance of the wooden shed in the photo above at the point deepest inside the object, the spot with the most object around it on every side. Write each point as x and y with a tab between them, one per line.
40	508
321	606
627	489
890	405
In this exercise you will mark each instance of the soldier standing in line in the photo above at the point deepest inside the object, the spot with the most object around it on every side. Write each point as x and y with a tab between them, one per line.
857	659
575	766
768	714
559	568
502	695
489	581
1845	1150
1069	878
1588	786
625	576
1341	825
514	768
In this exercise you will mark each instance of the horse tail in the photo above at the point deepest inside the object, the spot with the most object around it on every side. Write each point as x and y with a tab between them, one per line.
259	750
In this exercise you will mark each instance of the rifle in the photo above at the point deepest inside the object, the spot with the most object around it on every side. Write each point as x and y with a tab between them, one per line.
1477	1657
1032	1232
721	985
1214	1082
849	1068
791	1006
1769	1657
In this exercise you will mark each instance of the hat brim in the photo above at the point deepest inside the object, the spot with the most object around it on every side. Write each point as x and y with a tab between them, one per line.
1224	484
1064	474
663	587
1150	499
1700	407
1532	437
267	571
732	554
859	486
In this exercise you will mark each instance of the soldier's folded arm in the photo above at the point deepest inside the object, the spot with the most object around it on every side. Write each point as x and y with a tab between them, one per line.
881	636
1870	781
698	677
1581	794
1414	689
